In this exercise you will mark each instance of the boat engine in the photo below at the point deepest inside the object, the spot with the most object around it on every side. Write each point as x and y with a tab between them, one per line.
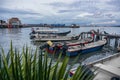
64	48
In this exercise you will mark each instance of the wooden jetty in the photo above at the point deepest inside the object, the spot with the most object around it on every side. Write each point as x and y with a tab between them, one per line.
99	36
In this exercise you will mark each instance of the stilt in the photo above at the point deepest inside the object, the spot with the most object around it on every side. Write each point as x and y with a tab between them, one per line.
82	36
116	42
87	34
108	41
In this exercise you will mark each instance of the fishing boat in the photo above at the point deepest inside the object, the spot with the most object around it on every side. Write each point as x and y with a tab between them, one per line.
85	48
84	67
61	45
53	38
48	31
50	37
75	42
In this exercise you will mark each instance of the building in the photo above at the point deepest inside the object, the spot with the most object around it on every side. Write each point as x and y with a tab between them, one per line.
74	26
14	22
2	22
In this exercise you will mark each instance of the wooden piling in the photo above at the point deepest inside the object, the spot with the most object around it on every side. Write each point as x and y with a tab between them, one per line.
82	36
116	42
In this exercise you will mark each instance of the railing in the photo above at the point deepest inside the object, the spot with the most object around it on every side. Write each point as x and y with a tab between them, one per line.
104	59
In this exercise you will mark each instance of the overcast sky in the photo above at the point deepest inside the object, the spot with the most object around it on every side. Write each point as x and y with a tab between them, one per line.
62	11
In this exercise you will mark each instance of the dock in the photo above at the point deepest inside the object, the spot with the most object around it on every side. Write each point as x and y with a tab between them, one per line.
100	35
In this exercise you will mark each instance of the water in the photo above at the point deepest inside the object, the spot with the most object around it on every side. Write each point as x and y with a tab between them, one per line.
20	38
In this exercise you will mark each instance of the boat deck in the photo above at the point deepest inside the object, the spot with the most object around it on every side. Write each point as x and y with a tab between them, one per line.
93	44
108	68
57	38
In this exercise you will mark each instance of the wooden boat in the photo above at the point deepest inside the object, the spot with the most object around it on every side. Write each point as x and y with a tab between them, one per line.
76	42
85	67
53	38
85	48
48	31
61	45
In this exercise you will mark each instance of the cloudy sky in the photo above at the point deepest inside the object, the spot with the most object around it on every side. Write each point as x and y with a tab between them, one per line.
62	11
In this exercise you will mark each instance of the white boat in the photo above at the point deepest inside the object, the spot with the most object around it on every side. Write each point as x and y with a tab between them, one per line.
85	48
47	31
50	37
108	68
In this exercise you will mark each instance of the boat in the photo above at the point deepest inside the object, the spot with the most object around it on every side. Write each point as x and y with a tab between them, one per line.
108	68
47	31
85	48
61	45
74	26
53	38
77	42
87	71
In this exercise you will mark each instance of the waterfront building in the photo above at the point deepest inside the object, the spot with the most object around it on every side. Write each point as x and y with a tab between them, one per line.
3	24
14	22
57	25
74	26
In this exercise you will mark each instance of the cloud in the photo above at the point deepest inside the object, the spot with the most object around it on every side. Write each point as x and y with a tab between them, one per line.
107	22
63	11
85	14
76	6
14	11
116	4
25	15
67	11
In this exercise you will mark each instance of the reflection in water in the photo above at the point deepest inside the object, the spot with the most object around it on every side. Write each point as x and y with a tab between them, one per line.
14	30
20	38
36	43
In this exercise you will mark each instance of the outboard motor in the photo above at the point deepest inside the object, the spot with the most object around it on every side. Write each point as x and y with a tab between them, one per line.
64	48
56	49
32	37
44	46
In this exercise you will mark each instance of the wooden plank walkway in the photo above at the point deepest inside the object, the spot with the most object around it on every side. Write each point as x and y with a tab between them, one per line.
108	35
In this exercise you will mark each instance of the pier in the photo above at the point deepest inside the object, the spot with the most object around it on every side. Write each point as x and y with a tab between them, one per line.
100	35
108	68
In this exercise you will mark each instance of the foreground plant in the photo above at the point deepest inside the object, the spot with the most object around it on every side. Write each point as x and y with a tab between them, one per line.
29	65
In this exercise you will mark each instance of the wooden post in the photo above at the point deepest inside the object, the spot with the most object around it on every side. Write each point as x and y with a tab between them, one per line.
82	36
95	38
100	37
116	42
87	34
108	41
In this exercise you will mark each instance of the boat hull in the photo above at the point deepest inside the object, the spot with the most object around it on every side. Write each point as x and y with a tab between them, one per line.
75	43
32	35
51	39
75	53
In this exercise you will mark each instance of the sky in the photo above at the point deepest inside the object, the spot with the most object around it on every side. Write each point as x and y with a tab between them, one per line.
62	11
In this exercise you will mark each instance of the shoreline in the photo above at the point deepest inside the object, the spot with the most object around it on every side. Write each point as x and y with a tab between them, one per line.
3	27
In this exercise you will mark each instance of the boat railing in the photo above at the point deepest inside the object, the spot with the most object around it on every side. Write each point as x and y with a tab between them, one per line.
103	59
